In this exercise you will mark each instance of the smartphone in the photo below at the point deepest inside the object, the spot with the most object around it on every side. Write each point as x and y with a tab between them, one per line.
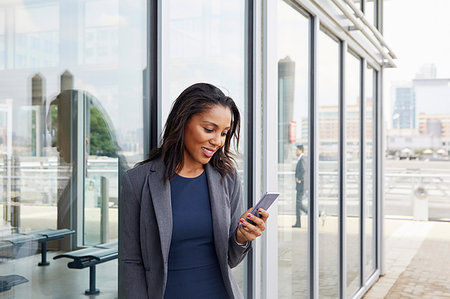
264	203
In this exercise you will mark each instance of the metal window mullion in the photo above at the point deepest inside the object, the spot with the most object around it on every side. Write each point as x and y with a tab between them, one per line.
152	77
362	169
266	89
249	134
375	147
79	169
342	257
313	249
380	187
376	20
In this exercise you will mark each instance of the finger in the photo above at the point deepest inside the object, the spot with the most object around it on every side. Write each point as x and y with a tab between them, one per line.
264	214
246	232
258	221
253	229
246	212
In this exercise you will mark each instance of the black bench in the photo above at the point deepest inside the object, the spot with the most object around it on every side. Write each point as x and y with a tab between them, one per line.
10	244
90	257
8	281
46	235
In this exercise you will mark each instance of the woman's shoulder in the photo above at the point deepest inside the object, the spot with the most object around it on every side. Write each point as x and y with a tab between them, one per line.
140	170
232	177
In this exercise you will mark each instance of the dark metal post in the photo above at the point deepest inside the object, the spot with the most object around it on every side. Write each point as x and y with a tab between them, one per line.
92	290
44	255
104	217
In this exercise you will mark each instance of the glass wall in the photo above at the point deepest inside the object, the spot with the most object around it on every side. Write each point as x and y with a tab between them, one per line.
328	167
74	116
353	170
369	10
205	42
71	119
293	153
369	176
2	39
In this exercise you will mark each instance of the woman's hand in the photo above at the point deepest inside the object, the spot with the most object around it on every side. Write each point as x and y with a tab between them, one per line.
249	232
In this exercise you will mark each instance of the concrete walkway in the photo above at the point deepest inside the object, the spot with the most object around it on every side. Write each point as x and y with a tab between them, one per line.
417	262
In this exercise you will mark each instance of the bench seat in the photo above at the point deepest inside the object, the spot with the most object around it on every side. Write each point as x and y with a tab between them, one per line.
90	257
10	244
8	281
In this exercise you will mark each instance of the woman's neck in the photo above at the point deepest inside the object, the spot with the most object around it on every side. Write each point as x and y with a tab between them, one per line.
191	171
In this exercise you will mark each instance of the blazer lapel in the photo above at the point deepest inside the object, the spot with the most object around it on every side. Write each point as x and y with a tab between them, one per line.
220	211
160	195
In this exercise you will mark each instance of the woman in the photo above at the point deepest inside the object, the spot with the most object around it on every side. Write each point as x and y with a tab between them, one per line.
181	229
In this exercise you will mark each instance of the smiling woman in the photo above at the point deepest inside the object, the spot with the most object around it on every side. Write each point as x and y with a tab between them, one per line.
205	134
187	199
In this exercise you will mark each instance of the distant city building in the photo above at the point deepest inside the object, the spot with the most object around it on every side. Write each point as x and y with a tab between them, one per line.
286	81
413	142
427	71
435	124
404	110
328	123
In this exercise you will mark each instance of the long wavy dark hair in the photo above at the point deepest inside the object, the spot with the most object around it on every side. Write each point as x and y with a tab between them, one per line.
193	100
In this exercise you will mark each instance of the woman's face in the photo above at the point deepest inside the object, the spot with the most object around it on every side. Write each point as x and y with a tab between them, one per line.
204	134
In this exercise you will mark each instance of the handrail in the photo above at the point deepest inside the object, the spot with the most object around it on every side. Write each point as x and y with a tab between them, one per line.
372	28
363	31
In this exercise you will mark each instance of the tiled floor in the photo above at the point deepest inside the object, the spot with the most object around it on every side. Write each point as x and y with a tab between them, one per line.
417	262
57	281
417	266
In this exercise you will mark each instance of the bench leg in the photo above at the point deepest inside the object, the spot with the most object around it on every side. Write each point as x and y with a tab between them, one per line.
92	290
44	255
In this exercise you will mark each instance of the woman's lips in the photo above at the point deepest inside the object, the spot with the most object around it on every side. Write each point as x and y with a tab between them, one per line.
207	152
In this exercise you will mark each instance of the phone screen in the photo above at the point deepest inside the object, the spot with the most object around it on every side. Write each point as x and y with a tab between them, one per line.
264	203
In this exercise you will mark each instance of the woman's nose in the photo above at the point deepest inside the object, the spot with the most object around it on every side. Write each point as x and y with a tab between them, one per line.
216	140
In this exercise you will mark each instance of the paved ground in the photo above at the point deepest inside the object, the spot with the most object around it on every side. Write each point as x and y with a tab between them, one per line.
418	263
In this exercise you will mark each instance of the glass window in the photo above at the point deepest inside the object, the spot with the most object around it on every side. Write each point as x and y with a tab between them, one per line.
68	131
2	39
370	7
205	42
328	177
34	27
353	170
369	176
293	153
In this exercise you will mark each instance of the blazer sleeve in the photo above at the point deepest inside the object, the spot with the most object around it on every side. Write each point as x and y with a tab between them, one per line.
133	275
300	169
236	252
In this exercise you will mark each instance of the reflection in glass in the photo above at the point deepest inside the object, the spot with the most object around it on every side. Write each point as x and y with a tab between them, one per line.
369	10
369	181
353	170
205	43
328	137
36	36
101	166
66	122
293	133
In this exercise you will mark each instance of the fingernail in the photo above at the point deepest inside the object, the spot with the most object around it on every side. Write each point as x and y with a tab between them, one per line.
259	210
249	215
242	220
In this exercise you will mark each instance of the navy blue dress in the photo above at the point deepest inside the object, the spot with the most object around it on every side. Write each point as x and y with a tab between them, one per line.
194	270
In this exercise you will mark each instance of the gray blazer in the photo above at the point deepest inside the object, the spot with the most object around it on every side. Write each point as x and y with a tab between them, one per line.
146	228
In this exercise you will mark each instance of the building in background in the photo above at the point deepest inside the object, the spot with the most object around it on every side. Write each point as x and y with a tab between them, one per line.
404	110
421	117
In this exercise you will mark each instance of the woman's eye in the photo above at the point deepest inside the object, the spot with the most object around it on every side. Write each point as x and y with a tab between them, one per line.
224	133
208	130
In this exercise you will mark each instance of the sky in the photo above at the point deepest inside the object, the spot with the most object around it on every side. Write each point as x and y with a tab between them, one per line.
418	31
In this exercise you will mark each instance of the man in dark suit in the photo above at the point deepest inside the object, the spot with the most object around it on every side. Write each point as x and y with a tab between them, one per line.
300	171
